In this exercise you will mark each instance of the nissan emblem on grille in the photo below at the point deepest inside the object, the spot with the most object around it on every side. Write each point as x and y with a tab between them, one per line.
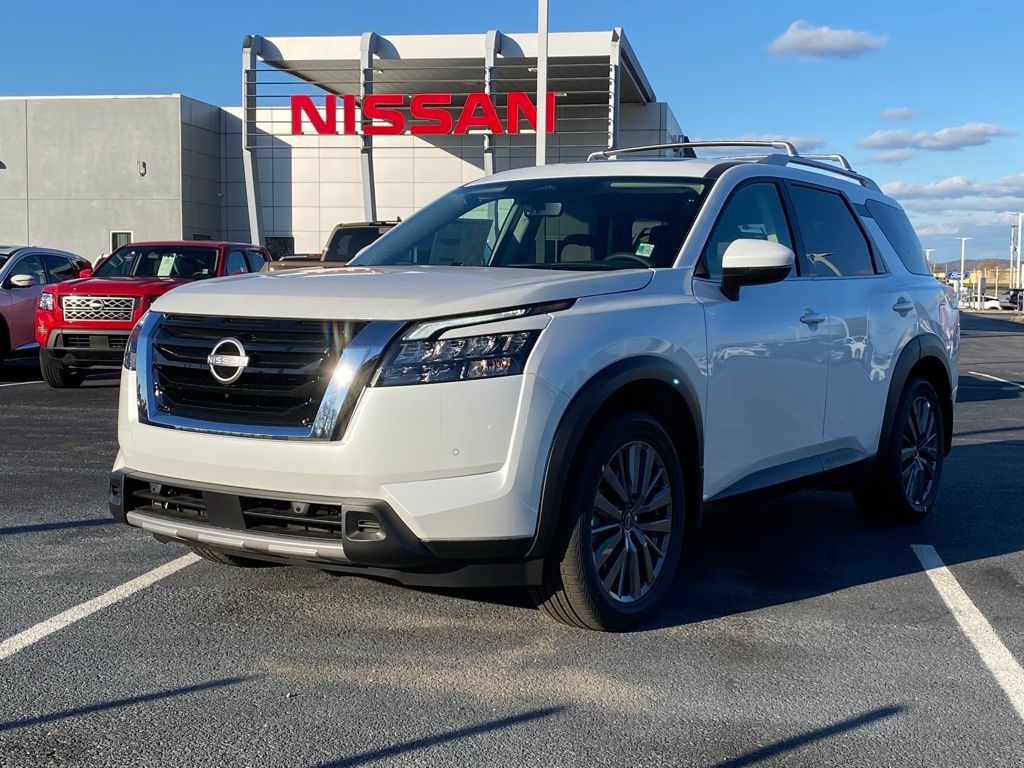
226	367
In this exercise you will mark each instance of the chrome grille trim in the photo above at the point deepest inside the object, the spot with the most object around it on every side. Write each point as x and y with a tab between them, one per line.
357	362
111	308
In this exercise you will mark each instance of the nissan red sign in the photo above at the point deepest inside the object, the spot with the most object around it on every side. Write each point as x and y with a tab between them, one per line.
424	114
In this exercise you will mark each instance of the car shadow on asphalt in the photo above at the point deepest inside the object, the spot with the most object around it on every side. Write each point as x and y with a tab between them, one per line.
752	556
759	554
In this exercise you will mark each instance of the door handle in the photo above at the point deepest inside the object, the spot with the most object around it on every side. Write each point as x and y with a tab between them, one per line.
902	306
810	317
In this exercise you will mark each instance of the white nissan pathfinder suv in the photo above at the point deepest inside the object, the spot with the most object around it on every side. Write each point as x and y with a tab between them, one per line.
541	378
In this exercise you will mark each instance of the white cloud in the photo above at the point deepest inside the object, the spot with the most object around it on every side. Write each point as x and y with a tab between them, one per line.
891	157
957	187
808	42
947	139
987	224
961	204
898	113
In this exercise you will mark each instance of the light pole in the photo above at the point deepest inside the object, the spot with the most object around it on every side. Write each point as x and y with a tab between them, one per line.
963	252
542	81
1017	275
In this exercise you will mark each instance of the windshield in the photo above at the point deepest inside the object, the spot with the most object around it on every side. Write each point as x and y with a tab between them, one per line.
159	261
584	223
346	243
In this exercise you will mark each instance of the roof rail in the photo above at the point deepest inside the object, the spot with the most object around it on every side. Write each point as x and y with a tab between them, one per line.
608	153
841	166
834	157
807	160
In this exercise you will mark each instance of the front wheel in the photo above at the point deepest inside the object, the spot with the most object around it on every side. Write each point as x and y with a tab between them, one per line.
904	483
624	516
58	375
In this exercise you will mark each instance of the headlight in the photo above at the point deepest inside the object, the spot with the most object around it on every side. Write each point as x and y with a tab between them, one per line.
46	301
470	357
132	347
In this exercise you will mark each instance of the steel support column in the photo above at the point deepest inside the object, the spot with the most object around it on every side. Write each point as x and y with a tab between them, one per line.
367	48
250	167
614	86
492	47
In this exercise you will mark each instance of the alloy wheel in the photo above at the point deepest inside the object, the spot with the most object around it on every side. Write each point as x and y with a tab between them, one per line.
919	451
631	521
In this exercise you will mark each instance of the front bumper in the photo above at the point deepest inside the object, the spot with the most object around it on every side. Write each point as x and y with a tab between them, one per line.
361	536
87	348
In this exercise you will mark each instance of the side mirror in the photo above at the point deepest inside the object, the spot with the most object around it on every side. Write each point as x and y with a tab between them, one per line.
87	272
23	281
754	262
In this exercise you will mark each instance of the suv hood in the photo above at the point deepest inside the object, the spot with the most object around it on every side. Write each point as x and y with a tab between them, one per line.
119	286
391	293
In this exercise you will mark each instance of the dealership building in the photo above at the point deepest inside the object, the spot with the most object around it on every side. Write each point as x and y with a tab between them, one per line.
330	130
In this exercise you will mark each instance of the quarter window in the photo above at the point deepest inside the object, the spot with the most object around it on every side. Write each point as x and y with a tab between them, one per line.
754	212
901	236
833	244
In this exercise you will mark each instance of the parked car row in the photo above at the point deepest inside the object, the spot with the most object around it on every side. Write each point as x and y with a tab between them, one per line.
80	317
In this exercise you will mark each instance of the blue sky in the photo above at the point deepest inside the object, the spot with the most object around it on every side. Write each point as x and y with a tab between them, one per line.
952	75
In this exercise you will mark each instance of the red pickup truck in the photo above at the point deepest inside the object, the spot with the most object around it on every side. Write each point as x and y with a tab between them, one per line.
84	324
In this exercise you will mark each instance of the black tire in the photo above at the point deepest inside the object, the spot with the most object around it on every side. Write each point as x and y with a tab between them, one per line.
573	589
223	558
58	375
894	491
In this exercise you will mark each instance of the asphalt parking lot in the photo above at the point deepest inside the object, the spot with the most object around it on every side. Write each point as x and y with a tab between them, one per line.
799	634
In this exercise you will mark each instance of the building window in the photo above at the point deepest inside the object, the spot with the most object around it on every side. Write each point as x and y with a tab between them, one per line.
201	236
118	239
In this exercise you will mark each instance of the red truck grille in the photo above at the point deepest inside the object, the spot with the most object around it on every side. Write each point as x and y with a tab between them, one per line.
110	308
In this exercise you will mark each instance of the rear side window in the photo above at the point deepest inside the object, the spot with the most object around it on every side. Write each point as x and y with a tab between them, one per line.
833	243
901	236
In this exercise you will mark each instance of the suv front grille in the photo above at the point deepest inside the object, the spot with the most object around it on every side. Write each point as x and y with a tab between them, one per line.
114	308
289	368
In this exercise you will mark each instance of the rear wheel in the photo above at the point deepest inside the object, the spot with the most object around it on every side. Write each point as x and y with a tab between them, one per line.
904	483
58	375
618	547
223	558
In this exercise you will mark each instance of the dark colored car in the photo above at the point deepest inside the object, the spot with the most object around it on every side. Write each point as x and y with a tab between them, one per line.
84	324
24	271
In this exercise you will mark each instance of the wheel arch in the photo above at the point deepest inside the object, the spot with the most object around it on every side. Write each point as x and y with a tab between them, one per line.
645	383
926	357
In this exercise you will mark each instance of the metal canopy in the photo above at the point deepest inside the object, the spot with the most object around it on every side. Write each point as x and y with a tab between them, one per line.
410	64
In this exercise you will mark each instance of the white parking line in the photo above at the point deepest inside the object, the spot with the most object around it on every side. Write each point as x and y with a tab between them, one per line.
996	378
997	657
20	383
34	634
